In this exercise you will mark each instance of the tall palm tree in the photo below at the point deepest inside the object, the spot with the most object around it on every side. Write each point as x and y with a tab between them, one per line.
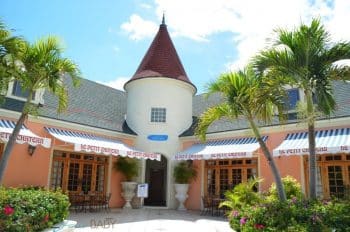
41	66
306	57
249	96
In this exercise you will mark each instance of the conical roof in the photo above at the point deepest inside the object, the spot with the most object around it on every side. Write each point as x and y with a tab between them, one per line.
161	60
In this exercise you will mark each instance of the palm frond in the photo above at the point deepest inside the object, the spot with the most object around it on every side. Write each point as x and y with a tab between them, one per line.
212	114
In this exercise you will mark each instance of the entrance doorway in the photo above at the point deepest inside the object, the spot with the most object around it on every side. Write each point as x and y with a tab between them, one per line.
156	176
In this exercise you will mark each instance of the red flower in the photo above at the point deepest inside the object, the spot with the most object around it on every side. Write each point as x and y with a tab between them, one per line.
8	210
46	218
259	226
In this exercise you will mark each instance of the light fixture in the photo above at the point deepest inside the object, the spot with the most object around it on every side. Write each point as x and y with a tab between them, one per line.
31	149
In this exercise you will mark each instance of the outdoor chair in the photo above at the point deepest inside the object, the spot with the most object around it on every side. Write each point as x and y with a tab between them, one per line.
77	202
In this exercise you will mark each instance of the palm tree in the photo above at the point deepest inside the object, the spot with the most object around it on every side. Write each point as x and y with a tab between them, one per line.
10	48
249	96
306	57
41	67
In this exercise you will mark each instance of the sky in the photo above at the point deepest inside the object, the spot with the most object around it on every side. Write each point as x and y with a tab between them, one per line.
108	38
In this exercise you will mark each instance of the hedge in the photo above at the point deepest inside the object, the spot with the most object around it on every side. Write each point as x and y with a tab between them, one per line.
31	209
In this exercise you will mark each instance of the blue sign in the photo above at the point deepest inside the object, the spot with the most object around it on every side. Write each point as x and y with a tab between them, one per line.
158	137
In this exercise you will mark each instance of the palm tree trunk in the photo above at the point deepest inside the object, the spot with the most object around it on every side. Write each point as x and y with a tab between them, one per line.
312	145
272	164
10	144
312	162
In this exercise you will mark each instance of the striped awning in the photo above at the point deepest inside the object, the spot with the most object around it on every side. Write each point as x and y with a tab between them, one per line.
327	141
24	136
221	149
95	144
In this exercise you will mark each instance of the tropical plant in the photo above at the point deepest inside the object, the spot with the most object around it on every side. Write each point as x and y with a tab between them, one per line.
252	97
10	48
184	172
243	194
40	66
31	209
127	166
306	58
292	215
291	187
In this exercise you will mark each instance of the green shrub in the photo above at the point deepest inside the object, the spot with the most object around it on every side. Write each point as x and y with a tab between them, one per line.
184	172
127	166
31	209
291	187
250	211
243	194
292	215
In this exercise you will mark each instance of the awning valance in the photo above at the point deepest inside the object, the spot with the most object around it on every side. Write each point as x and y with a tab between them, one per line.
24	136
327	141
221	149
96	144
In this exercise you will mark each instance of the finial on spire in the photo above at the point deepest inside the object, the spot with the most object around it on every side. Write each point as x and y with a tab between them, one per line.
163	20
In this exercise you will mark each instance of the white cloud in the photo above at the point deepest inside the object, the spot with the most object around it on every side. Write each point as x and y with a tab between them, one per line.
138	28
118	83
249	22
145	6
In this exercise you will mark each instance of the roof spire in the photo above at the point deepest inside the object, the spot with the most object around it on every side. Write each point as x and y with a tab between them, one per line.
163	19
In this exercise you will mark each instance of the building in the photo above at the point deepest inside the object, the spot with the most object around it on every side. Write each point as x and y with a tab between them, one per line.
154	120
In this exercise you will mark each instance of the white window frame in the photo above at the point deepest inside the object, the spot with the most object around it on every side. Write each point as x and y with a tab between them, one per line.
38	97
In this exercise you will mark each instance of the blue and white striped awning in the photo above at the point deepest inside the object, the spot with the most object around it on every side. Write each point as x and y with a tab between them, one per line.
327	141
221	149
24	136
95	144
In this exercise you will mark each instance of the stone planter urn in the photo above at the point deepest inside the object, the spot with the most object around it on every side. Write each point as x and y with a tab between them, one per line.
128	193
181	194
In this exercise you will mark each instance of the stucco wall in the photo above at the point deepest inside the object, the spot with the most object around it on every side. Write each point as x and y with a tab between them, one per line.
176	97
26	170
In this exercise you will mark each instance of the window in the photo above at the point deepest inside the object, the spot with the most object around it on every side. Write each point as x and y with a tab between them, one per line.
222	175
292	99
333	175
79	172
158	115
15	91
18	92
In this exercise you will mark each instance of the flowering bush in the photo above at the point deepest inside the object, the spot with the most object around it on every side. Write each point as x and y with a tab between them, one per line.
267	213
31	209
291	186
293	215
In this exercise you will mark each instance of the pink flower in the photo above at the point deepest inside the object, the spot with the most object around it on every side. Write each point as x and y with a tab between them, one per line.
8	210
235	213
243	220
46	218
259	226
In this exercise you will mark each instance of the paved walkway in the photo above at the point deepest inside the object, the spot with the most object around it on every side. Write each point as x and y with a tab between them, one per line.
148	220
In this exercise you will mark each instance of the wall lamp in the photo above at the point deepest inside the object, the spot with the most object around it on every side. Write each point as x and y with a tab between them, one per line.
31	149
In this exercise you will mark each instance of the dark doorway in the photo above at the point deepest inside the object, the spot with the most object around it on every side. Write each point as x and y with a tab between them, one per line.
156	175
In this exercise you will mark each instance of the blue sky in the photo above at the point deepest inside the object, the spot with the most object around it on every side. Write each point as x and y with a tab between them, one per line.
108	39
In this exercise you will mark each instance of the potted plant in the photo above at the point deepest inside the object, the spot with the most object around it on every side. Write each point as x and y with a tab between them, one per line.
184	172
129	168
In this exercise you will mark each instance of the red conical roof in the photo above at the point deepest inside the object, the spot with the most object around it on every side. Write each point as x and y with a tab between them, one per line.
161	60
